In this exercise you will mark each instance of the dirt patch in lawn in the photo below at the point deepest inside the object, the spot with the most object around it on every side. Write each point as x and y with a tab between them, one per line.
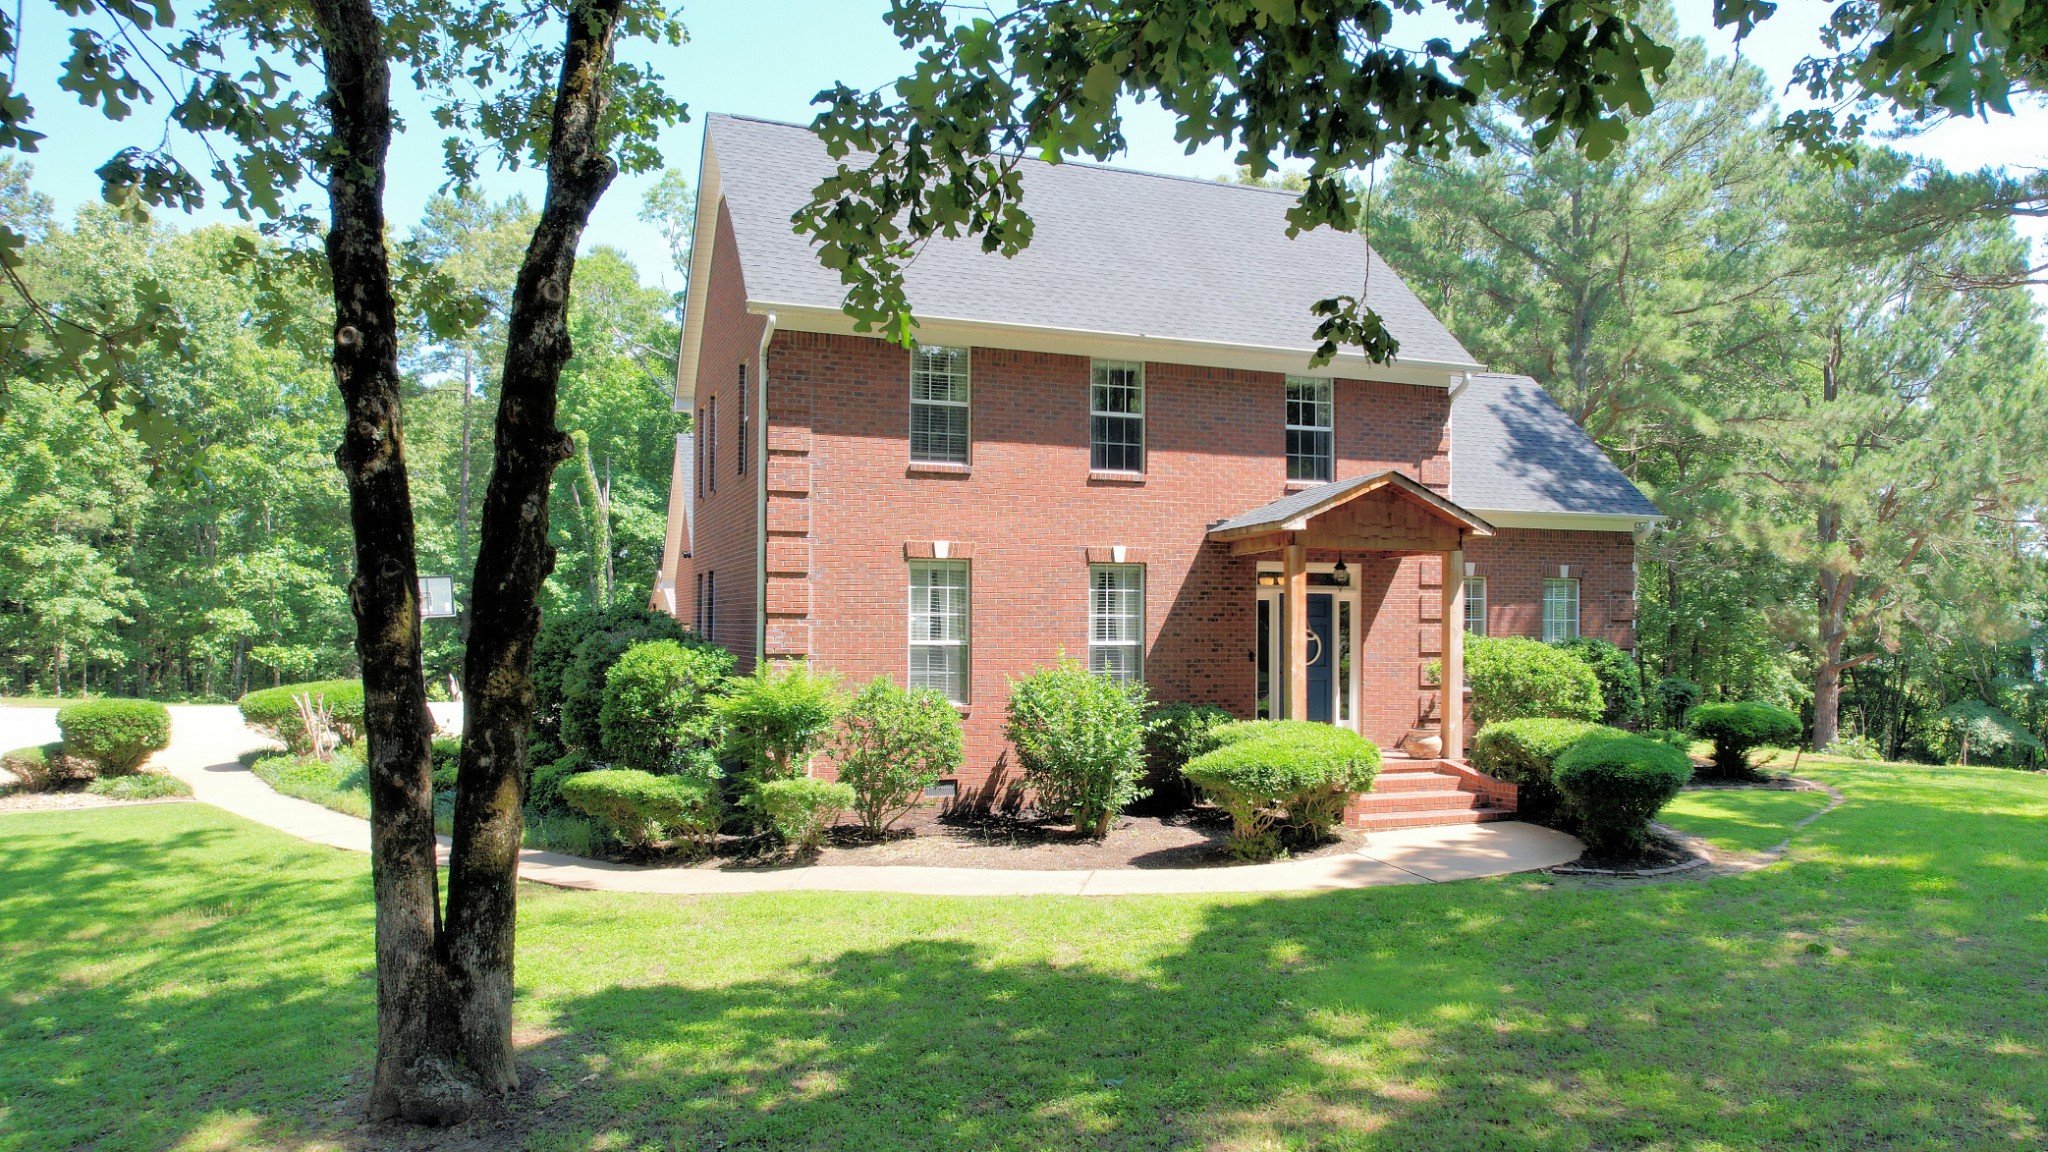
19	801
968	839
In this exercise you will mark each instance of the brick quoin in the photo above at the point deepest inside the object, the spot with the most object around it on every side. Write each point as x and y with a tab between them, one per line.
846	508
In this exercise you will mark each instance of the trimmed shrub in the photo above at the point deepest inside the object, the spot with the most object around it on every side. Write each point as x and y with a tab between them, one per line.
1675	696
35	767
1080	739
275	711
1524	753
891	746
1621	683
1513	678
1614	785
116	735
1678	738
447	754
658	703
776	720
572	654
1736	728
800	810
570	833
644	808
1175	733
544	786
1295	773
140	786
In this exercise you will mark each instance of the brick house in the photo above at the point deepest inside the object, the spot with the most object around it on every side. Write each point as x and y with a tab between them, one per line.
1112	447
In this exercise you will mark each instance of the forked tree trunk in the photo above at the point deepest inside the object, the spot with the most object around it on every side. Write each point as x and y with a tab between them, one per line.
413	1076
514	559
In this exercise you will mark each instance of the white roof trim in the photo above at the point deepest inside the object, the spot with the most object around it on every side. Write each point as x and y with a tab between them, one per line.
1122	345
710	199
1564	521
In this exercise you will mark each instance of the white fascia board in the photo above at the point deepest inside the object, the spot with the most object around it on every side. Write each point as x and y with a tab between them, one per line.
1124	346
1564	521
710	198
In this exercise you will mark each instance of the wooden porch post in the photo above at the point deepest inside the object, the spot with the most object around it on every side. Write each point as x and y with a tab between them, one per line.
1295	646
1451	691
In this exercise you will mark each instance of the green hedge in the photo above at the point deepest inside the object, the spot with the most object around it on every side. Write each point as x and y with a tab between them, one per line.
658	704
544	786
1295	773
1524	753
572	654
1175	733
800	810
1514	678
1614	785
35	767
1080	740
645	808
1737	728
891	746
140	786
275	711
1621	683
115	735
775	720
447	757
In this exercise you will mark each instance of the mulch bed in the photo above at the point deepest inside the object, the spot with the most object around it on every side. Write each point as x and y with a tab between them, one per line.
966	838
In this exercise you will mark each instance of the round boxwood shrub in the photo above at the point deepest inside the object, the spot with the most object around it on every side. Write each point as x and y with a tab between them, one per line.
658	703
1524	752
1513	678
1080	740
1736	728
572	656
1621	685
801	809
116	735
1272	773
275	711
645	808
891	746
1614	785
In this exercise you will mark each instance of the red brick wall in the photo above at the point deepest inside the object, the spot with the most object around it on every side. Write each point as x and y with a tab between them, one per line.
726	543
1516	561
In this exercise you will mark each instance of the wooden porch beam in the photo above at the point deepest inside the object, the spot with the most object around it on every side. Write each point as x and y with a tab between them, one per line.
1294	644
1253	545
1451	689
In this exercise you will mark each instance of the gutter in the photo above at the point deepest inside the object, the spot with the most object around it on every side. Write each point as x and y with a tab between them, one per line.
760	446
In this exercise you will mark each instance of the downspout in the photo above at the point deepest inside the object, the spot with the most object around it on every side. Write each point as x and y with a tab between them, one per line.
760	446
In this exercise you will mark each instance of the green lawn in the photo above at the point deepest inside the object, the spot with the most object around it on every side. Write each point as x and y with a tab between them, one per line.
175	978
1741	819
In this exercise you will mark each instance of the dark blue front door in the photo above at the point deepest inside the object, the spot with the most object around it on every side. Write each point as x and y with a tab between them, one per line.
1322	655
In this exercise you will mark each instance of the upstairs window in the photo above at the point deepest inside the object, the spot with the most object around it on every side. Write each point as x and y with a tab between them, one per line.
1116	621
740	441
1475	605
938	405
1116	417
1560	610
939	627
1311	443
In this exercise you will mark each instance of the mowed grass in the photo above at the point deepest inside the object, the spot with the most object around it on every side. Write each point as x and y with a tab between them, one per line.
1741	819
175	978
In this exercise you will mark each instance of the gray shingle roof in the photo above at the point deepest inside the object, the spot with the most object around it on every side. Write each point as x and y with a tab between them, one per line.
1514	450
1113	251
1326	496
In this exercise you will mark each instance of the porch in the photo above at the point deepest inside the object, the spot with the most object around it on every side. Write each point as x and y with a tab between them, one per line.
1321	605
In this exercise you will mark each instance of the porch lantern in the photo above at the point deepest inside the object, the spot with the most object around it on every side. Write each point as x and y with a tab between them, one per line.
1341	576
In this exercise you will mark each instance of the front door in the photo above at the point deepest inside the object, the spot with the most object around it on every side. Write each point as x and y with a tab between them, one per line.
1321	656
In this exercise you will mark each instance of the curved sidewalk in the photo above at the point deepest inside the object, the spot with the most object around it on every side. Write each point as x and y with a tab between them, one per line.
206	741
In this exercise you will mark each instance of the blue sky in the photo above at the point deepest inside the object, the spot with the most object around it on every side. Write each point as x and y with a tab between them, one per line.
770	57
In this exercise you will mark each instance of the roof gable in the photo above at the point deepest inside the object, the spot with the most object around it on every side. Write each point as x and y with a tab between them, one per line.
1514	450
1112	252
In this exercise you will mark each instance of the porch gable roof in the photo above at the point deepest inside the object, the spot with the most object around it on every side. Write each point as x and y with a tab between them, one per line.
1292	512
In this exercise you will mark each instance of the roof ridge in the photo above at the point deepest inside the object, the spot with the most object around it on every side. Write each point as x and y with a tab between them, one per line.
1091	165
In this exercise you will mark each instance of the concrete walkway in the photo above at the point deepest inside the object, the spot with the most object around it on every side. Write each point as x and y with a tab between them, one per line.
205	741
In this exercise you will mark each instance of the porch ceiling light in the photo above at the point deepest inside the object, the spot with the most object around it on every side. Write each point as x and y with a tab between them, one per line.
1342	574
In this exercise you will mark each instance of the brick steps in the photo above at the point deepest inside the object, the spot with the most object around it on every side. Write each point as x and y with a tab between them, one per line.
1427	794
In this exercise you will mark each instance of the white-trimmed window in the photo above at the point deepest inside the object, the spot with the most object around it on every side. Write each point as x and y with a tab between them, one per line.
1560	610
1311	439
1116	416
1475	605
939	627
1116	620
707	604
938	405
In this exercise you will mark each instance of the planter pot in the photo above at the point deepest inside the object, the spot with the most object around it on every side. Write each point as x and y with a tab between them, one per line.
1423	743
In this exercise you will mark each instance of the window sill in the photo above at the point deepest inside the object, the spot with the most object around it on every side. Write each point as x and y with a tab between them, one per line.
1096	476
938	468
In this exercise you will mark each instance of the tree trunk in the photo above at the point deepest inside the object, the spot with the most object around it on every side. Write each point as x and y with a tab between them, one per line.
514	559
414	1076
